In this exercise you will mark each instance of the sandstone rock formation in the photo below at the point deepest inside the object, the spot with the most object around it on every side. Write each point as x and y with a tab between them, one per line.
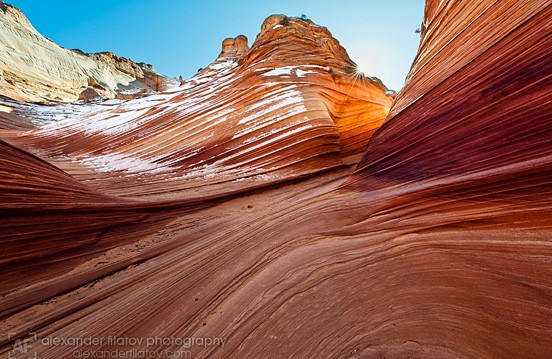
438	245
36	69
290	106
234	47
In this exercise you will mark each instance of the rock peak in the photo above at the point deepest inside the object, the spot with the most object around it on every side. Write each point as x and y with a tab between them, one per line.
288	21
281	31
15	14
234	47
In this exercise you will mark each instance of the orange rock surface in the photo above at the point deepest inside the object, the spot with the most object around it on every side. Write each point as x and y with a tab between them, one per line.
437	245
290	106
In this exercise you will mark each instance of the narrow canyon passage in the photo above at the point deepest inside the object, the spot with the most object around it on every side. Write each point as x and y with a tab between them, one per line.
283	205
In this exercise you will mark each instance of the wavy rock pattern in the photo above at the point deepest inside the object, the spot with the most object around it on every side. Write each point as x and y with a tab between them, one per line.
438	245
252	117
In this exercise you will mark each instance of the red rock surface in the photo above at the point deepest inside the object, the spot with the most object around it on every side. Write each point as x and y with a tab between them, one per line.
438	245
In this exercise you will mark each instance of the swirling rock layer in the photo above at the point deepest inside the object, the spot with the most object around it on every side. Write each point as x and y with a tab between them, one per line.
438	245
290	106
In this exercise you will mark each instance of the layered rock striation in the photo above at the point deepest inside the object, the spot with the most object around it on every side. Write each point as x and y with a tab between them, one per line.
254	117
289	106
438	245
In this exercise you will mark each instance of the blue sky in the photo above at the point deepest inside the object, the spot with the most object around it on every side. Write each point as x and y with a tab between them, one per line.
179	36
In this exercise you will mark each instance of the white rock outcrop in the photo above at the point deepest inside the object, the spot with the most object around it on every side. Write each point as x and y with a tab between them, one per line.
35	69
